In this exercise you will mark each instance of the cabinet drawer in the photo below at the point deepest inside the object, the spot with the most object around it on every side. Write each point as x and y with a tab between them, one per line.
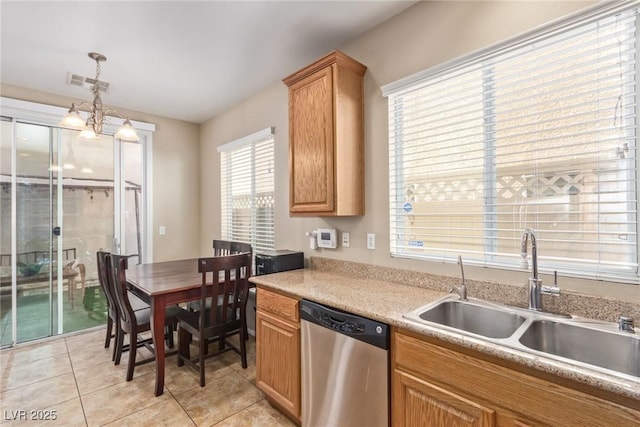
280	305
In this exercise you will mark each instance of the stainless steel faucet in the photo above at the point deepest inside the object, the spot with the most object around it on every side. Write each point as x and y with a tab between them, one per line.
535	295
535	284
462	289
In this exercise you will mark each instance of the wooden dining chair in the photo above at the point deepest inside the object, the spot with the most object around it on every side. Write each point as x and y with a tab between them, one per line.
224	291
224	248
135	322
105	278
112	310
230	247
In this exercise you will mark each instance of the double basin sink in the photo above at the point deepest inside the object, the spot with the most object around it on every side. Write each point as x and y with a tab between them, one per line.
579	341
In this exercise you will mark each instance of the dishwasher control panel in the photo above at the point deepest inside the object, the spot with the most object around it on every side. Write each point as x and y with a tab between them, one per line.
358	327
342	325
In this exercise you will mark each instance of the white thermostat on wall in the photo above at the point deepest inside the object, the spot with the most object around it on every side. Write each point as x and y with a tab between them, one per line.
327	238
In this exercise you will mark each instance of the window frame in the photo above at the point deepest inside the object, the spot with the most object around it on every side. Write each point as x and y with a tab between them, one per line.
227	214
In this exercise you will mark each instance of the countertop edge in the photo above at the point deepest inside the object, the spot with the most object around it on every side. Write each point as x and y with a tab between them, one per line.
388	302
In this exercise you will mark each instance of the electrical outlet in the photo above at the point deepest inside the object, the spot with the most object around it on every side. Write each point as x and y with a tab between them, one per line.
345	239
371	241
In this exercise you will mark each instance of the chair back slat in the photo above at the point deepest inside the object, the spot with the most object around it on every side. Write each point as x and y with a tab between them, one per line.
225	282
105	280
119	265
230	247
221	247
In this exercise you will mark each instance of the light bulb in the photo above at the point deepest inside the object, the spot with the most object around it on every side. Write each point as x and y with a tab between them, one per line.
87	133
73	119
127	132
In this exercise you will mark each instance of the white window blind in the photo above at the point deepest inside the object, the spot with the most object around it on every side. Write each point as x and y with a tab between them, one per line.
540	133
247	186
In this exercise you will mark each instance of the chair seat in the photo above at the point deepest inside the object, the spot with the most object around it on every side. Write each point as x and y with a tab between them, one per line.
172	312
137	303
192	318
143	318
195	305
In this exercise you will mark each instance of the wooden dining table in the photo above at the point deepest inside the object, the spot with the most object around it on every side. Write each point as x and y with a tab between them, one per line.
162	284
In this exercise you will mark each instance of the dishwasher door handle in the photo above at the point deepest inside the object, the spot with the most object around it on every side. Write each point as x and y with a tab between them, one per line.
337	320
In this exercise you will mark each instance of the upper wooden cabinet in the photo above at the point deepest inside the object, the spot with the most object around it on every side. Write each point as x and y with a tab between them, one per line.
326	137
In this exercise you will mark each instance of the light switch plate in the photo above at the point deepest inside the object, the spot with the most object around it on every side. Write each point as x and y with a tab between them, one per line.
345	239
162	230
371	241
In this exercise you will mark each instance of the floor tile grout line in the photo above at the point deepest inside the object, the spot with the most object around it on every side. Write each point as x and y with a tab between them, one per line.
35	382
237	412
19	350
75	380
131	413
100	389
222	376
115	384
180	405
49	378
198	385
143	409
49	339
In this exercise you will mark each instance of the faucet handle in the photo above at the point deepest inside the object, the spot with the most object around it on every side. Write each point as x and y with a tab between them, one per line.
551	290
460	290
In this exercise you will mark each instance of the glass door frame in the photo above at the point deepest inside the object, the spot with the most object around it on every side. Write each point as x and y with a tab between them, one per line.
41	114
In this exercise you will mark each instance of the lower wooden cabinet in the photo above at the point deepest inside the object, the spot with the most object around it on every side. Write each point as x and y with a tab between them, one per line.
439	384
278	350
421	403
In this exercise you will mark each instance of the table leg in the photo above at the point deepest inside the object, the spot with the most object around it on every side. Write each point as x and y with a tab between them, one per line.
157	331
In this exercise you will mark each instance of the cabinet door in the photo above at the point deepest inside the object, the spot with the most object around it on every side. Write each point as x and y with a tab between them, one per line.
416	402
278	362
311	143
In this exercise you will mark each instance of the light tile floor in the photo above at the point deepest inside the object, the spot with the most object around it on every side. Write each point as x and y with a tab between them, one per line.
73	377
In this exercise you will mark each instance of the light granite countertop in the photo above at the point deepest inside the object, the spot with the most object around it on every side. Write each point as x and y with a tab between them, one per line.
388	301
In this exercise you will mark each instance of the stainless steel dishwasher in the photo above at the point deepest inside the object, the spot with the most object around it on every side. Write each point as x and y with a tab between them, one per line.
345	368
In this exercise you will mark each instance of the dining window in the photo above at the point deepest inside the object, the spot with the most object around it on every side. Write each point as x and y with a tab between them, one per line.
247	190
539	132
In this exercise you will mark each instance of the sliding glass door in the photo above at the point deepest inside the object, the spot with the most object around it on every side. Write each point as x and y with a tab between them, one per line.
63	198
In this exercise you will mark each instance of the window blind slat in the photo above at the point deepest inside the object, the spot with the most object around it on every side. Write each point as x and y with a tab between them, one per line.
247	190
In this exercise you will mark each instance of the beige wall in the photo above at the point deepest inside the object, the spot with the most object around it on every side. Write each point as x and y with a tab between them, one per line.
423	36
176	176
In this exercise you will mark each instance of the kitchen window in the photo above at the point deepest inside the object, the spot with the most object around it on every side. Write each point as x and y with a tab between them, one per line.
539	132
247	190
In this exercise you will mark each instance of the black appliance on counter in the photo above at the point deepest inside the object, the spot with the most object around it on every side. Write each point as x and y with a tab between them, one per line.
268	262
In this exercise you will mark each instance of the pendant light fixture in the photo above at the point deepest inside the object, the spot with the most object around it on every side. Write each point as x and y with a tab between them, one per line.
92	127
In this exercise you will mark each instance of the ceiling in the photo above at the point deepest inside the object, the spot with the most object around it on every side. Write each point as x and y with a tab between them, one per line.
188	60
